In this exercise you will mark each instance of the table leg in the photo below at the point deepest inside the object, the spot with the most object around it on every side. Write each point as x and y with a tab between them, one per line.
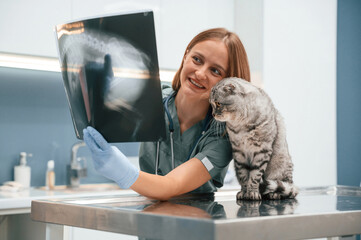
58	232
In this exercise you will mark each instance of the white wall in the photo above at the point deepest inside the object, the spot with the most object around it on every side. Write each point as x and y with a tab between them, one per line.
249	27
291	46
300	76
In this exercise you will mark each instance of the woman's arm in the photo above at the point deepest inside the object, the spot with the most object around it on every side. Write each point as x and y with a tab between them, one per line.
185	178
112	163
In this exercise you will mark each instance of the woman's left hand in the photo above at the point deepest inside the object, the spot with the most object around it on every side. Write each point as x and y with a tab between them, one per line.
109	160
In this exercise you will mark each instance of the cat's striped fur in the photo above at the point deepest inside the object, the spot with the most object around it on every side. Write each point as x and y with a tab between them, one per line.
257	134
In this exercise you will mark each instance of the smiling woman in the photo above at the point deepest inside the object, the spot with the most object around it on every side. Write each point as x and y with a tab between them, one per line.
211	56
237	56
203	66
194	156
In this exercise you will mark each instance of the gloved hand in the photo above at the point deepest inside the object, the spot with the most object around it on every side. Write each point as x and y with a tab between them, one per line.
109	161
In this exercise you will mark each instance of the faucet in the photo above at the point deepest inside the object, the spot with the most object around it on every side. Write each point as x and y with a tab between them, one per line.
76	169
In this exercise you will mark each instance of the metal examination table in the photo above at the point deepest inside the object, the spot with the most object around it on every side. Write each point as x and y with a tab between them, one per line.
317	212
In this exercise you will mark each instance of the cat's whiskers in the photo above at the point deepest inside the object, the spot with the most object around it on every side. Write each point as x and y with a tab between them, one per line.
217	127
221	130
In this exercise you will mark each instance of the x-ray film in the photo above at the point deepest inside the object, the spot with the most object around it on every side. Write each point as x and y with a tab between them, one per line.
111	77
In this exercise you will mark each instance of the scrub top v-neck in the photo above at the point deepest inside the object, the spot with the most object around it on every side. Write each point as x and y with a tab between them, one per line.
213	149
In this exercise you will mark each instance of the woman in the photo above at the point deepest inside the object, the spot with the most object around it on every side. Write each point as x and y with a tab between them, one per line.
201	155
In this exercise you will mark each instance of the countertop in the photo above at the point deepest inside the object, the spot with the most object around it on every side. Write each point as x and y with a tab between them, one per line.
20	202
317	212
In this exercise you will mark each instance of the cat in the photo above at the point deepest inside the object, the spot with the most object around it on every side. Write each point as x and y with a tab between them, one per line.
257	134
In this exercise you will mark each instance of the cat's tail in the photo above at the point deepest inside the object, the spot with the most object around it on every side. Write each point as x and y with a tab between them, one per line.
275	189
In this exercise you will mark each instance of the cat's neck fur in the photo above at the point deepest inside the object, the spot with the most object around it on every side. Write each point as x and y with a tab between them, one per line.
250	123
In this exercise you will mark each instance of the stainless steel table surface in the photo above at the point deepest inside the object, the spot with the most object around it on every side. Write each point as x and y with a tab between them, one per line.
316	212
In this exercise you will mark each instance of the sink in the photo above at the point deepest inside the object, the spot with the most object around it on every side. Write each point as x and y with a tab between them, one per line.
102	187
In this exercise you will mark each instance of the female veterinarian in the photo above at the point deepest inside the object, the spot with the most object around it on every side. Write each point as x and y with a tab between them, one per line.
194	156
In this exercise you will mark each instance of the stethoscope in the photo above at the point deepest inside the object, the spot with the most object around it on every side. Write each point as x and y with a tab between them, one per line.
206	124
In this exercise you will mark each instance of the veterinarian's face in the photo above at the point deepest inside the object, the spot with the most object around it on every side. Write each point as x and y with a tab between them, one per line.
204	65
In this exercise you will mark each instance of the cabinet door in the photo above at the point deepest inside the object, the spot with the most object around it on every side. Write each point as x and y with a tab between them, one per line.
27	26
180	21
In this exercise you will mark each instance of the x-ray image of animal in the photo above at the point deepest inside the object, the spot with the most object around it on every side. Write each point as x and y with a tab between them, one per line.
115	96
111	84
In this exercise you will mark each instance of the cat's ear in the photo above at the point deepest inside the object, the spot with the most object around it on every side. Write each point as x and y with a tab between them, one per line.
230	88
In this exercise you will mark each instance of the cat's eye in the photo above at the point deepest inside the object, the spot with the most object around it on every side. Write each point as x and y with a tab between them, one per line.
217	104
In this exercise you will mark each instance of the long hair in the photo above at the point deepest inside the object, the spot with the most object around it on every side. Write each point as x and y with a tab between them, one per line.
237	56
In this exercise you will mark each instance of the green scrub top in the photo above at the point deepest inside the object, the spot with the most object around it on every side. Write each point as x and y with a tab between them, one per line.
213	149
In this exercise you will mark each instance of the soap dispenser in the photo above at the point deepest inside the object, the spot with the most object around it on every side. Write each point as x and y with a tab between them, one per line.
50	176
22	173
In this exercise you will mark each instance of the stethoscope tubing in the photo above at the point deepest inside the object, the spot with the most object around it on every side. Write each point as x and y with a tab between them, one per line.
171	131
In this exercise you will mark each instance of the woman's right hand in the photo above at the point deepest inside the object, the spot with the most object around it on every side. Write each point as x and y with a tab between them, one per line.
109	160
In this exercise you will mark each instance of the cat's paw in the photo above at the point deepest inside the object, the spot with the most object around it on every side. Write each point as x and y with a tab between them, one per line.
248	208
273	196
249	195
240	195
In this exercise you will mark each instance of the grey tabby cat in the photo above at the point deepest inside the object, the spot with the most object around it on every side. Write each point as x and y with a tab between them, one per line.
257	134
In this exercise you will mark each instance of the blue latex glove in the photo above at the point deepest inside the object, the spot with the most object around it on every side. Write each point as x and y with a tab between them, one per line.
109	161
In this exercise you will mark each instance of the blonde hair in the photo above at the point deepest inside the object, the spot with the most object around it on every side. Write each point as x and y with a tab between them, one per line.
237	56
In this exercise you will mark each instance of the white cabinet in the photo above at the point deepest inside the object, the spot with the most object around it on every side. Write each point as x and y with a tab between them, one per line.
180	21
27	26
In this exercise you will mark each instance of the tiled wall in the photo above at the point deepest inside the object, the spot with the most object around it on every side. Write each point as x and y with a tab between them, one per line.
34	118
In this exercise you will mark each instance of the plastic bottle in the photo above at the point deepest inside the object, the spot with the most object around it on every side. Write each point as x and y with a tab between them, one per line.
22	173
50	176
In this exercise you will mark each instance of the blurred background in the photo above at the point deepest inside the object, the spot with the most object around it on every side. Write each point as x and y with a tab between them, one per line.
305	53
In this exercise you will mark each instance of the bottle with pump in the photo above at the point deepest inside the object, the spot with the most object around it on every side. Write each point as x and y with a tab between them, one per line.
50	176
22	173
